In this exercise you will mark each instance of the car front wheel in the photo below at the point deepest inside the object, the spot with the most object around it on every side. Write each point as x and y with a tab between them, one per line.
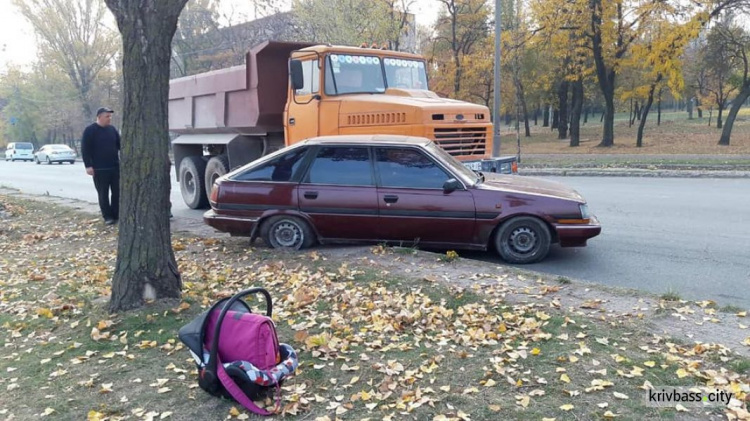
287	232
522	240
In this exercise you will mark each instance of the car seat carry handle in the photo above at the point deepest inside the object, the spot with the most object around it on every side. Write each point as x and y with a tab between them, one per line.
211	364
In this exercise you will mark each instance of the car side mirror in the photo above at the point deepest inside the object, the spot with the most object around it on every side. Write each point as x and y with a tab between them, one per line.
451	184
295	74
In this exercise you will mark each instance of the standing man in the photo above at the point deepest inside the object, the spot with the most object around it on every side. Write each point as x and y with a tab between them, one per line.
100	148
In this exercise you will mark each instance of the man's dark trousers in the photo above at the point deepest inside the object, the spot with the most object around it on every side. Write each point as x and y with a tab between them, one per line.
104	181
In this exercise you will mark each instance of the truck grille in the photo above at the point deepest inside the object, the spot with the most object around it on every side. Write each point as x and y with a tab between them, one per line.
375	118
462	141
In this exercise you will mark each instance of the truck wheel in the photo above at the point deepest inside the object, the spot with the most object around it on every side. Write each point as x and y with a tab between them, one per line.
192	169
287	232
216	167
523	239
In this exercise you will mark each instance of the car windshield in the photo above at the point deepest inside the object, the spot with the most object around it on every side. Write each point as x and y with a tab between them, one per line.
404	73
455	165
348	74
24	146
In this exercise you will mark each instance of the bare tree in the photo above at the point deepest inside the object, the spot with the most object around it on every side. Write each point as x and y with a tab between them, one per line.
73	36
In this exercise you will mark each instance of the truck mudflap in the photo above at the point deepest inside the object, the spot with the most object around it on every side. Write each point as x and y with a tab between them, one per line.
500	165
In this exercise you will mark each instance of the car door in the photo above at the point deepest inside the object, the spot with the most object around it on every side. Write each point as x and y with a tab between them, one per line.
338	193
41	154
412	203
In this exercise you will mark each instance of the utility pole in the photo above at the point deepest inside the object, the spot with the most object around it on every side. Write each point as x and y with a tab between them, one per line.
496	105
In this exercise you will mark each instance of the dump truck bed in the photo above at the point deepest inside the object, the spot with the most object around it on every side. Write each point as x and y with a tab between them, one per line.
246	99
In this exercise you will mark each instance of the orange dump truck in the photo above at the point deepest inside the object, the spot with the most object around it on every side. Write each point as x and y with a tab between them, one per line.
287	92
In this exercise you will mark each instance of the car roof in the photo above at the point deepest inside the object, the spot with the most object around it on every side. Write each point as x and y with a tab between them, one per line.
373	140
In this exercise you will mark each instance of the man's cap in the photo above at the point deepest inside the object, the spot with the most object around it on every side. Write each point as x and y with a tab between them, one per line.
104	110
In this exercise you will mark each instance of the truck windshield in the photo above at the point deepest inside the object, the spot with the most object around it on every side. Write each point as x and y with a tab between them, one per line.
348	74
404	73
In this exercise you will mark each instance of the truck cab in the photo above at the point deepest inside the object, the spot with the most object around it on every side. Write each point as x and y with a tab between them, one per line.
347	90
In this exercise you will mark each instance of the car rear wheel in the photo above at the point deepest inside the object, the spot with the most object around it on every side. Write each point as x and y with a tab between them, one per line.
192	169
37	160
49	161
522	240
287	232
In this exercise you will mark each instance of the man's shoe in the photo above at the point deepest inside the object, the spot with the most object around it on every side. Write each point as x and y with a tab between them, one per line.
109	222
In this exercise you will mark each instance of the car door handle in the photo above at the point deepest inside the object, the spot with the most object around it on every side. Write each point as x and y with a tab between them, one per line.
311	195
390	198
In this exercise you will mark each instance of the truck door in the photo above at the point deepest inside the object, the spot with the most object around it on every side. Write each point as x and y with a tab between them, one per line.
302	114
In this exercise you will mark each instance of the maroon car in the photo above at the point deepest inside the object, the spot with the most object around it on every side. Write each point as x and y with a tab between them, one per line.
395	189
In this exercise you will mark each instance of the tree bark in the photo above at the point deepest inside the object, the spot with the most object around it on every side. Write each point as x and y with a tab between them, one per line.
562	123
726	131
585	115
146	268
575	113
645	109
545	116
555	118
658	108
605	75
521	98
536	116
718	116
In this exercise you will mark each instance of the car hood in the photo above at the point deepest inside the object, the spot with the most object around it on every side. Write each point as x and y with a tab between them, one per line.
529	185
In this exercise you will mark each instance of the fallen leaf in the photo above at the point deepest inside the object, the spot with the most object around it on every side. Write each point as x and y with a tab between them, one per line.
567	407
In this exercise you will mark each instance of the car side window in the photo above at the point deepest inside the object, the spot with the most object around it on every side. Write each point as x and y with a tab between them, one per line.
409	168
280	169
341	165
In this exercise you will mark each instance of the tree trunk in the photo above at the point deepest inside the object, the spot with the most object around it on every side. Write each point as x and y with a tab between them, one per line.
718	116
689	105
586	114
575	113
726	131
630	114
658	109
536	116
644	110
545	116
555	118
146	268
608	135
507	119
562	123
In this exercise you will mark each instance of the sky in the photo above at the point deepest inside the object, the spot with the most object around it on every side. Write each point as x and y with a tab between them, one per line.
18	44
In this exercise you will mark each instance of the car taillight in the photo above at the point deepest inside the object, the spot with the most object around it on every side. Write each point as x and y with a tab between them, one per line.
214	193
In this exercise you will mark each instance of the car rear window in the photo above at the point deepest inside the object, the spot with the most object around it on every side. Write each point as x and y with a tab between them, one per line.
280	169
24	146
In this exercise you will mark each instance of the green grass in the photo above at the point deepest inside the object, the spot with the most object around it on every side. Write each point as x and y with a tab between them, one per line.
671	295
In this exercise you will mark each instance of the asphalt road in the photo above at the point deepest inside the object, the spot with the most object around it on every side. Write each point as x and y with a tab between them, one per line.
689	236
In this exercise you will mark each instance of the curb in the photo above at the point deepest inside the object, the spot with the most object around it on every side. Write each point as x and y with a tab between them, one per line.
630	172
